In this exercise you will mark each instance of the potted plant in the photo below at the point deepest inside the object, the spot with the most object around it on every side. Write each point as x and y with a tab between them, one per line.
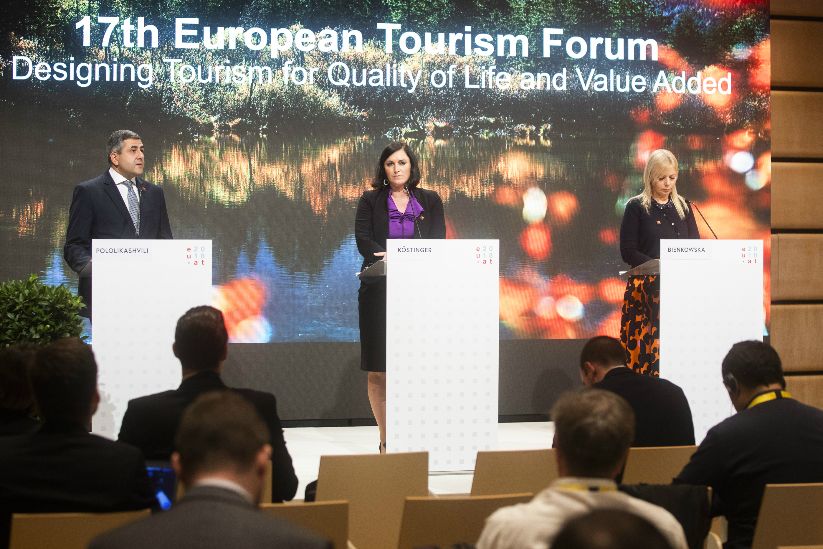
31	311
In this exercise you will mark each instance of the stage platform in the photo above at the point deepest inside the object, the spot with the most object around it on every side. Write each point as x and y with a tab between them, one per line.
307	444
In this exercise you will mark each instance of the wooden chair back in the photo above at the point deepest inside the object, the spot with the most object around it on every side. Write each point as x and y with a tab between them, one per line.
446	521
65	530
656	465
513	472
376	487
328	519
790	515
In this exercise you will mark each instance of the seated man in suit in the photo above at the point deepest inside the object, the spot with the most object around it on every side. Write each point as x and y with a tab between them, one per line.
117	204
16	401
593	430
222	450
201	344
62	467
772	439
661	411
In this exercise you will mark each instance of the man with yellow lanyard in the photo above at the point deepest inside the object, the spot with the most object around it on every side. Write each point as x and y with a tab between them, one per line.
773	439
593	430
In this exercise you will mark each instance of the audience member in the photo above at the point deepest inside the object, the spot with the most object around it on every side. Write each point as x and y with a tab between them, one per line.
593	431
222	452
661	411
16	403
201	345
609	529
771	439
62	467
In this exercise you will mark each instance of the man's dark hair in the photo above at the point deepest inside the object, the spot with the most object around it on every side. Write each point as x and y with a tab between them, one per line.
593	430
379	180
15	393
603	350
752	364
609	529
63	379
218	431
200	338
116	139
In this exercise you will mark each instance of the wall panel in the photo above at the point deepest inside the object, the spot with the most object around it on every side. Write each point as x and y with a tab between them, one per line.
806	389
795	46
797	124
797	267
793	328
797	8
796	188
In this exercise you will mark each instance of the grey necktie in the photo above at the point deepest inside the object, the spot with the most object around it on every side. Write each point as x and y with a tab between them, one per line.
134	206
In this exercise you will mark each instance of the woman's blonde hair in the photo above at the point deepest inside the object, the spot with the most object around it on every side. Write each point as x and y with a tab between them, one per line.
660	161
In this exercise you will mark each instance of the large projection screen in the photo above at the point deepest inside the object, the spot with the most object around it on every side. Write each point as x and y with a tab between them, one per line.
263	122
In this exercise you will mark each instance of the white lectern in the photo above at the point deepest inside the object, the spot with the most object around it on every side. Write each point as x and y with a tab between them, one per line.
141	288
711	297
442	349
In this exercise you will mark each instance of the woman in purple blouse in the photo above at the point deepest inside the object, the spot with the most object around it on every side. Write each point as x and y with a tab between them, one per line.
395	208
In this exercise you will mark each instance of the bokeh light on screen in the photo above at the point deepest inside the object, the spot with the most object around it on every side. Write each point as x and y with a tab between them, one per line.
547	172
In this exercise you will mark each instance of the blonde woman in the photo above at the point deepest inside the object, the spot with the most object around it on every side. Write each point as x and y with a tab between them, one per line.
658	212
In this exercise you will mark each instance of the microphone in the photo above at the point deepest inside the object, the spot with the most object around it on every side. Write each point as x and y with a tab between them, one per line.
704	220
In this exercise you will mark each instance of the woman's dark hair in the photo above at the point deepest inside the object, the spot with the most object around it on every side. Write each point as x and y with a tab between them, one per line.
380	173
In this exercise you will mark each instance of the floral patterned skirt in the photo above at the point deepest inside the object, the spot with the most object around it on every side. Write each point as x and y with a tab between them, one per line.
640	324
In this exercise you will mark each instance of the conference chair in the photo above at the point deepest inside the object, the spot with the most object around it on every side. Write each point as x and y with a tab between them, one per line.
65	530
446	521
656	465
690	505
513	472
376	487
328	519
790	515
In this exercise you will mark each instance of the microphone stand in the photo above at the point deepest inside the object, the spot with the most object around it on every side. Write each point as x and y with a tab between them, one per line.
704	220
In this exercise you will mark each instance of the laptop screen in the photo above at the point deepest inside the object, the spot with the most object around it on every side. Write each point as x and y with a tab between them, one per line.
163	481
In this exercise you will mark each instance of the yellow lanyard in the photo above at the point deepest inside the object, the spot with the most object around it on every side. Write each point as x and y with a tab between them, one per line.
766	397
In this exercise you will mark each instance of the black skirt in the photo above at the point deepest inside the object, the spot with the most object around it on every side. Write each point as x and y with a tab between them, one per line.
371	304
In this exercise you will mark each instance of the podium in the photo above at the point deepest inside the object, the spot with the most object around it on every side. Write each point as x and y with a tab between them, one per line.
141	288
711	297
442	349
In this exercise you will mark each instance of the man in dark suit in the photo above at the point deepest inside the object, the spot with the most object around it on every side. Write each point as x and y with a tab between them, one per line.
117	204
221	458
62	467
662	413
201	345
772	439
17	415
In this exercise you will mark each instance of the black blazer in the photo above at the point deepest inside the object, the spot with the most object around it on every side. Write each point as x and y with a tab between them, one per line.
66	469
209	517
371	222
150	423
776	442
98	211
641	231
662	413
